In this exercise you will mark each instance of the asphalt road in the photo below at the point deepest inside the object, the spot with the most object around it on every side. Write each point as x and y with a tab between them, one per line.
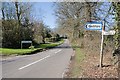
47	64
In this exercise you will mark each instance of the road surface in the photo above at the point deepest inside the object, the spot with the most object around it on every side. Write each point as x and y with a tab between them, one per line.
47	64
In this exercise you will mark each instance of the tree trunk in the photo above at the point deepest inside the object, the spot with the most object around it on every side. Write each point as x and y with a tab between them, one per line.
3	14
19	23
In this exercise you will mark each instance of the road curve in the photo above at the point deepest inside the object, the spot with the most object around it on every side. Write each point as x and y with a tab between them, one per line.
47	64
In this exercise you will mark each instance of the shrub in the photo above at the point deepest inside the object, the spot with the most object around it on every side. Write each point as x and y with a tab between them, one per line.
31	47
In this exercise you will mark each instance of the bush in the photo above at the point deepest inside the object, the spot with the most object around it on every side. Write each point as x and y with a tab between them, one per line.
31	47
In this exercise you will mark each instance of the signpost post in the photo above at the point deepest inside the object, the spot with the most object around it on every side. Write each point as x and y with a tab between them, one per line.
102	41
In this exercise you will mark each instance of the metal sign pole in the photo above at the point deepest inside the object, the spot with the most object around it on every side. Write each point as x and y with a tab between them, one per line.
21	45
102	41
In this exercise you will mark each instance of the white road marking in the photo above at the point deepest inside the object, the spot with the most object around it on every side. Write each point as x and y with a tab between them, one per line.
58	51
37	61
34	62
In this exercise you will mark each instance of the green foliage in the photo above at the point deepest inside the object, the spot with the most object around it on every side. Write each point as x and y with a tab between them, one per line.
15	26
81	34
10	33
8	51
116	6
31	47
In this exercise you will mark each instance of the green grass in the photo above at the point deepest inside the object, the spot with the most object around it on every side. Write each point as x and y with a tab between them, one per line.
76	69
76	65
7	51
51	45
79	55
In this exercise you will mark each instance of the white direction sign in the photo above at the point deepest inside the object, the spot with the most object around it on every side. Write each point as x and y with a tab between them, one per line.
93	26
26	41
111	32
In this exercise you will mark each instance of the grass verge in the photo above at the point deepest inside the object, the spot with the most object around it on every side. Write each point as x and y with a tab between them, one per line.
51	45
76	63
75	66
7	51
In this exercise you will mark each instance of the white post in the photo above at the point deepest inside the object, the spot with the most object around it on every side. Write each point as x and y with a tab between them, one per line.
102	41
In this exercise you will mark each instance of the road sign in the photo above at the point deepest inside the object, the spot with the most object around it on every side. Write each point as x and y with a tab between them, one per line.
99	26
111	32
93	26
26	41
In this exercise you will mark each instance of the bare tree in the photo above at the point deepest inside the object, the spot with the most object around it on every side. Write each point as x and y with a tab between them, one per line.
74	15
